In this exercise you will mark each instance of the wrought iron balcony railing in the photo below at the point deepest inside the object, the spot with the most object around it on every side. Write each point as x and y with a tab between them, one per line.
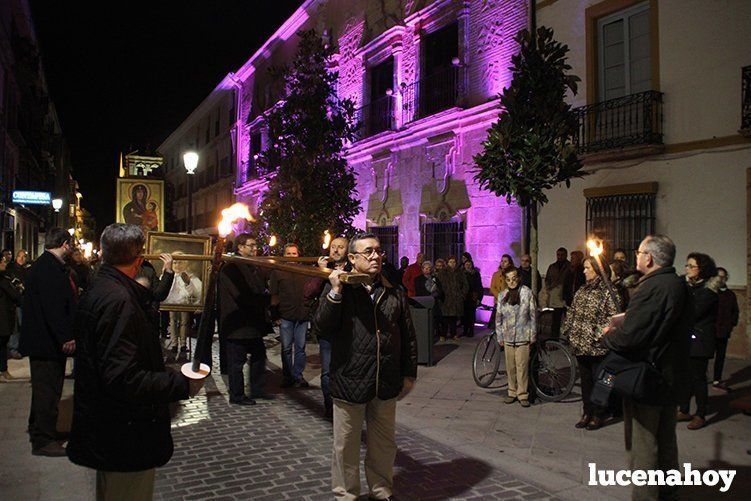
746	99
624	122
436	92
374	117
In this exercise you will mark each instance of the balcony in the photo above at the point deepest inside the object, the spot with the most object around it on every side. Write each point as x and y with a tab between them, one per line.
434	93
376	116
621	128
746	101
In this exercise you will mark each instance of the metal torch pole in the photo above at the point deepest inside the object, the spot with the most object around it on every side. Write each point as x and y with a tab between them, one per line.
608	284
201	364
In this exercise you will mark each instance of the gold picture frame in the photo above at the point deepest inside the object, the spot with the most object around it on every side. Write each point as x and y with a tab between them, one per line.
188	291
140	201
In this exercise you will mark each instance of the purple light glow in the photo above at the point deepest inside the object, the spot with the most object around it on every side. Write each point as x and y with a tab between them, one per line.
422	170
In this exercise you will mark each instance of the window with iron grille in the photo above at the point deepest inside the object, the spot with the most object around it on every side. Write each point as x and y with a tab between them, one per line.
388	236
442	240
621	221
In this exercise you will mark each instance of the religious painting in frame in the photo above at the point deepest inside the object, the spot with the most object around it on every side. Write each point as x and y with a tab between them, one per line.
188	292
140	201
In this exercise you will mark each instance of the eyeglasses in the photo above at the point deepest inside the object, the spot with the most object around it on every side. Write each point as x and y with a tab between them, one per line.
370	253
637	252
691	266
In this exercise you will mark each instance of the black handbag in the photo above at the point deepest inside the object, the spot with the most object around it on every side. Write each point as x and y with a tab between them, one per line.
639	380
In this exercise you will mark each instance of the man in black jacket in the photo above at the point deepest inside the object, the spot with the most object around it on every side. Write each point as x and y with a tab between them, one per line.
47	337
656	330
373	362
121	420
336	260
242	322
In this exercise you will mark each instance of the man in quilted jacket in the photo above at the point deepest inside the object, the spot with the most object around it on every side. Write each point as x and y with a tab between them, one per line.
373	364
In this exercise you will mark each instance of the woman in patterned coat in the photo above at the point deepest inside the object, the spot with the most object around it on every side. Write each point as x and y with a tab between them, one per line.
516	331
588	315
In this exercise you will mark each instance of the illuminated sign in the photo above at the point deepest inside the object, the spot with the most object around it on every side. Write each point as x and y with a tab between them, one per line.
32	197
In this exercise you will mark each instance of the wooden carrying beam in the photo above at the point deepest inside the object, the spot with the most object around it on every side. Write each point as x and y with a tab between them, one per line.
276	263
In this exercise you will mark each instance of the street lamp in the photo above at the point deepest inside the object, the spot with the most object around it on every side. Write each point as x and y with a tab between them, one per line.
57	204
190	159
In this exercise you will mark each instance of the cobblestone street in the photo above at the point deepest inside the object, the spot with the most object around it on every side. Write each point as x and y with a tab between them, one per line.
456	441
281	449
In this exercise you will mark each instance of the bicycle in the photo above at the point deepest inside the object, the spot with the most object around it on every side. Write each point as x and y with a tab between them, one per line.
552	366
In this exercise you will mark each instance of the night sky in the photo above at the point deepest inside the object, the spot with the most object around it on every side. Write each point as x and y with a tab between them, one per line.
128	73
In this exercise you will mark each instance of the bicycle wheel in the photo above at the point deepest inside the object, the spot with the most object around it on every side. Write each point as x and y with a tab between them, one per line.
486	361
553	371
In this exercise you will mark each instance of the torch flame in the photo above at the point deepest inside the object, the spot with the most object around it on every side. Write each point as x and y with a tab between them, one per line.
595	247
326	239
272	241
232	214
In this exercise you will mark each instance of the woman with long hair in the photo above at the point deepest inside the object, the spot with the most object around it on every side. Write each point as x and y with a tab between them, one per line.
516	331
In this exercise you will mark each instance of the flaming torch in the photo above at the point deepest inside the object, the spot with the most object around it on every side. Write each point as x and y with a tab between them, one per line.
326	239
200	367
595	250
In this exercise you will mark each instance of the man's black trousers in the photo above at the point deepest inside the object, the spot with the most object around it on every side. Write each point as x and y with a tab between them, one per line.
47	377
237	354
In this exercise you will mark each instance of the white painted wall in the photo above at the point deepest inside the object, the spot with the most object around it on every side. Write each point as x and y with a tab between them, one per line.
703	44
701	205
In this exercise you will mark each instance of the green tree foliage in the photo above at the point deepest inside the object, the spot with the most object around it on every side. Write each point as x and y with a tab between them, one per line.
529	149
311	187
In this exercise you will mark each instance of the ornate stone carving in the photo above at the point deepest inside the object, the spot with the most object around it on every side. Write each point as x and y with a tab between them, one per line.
492	77
490	37
350	65
382	173
443	159
486	5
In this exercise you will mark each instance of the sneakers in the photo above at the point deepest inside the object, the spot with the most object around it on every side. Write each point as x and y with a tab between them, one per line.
53	450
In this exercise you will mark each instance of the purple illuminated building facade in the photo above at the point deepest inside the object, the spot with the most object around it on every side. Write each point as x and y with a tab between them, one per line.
425	76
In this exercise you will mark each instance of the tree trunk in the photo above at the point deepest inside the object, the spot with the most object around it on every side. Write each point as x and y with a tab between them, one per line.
533	244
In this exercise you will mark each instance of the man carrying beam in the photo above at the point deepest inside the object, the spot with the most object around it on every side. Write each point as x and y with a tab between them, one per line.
373	363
